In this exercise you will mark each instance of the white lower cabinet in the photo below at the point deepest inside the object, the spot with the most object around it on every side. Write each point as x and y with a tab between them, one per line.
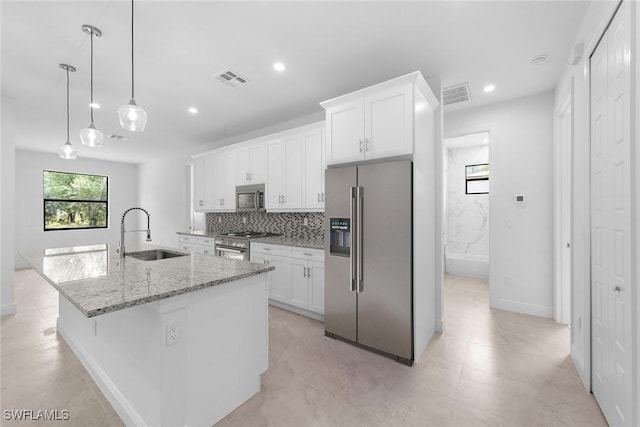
197	244
298	279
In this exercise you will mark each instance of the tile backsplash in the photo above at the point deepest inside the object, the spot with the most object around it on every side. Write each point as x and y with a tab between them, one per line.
290	224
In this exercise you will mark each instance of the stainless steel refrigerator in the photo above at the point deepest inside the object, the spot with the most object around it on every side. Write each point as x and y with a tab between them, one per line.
368	257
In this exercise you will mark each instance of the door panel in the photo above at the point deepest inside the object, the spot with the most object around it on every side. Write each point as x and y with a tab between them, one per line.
280	284
385	302
298	279
275	169
316	286
340	301
388	123
611	222
293	172
345	130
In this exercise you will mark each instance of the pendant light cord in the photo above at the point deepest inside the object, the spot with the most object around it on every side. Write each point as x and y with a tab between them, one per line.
132	66
91	106
67	68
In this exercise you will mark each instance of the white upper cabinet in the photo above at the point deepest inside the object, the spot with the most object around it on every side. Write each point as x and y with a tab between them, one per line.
345	132
251	164
291	165
376	122
314	165
284	173
204	169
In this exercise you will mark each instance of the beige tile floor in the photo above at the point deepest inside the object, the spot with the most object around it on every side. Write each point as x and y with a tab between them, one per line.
491	368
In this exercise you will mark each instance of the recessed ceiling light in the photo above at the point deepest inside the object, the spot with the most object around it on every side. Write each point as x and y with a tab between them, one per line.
279	66
489	88
94	105
193	110
420	106
485	141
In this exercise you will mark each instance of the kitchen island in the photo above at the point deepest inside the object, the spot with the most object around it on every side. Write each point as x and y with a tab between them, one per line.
170	342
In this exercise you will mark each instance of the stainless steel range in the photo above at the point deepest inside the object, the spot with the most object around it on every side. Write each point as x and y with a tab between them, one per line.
236	244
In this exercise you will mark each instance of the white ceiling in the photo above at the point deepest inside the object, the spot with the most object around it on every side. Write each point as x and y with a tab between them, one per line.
329	48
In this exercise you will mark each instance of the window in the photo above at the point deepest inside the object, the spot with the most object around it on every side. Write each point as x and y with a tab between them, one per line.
477	179
74	201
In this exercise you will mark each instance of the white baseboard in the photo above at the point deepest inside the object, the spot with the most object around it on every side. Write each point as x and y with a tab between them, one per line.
439	325
578	360
120	404
297	310
8	309
520	307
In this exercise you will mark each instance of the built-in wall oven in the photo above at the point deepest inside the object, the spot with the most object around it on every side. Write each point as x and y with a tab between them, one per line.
237	245
232	247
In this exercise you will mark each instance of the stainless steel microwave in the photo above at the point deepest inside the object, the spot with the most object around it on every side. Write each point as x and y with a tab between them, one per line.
250	198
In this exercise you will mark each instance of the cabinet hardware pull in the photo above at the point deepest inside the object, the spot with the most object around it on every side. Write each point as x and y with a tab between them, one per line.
360	140
304	271
318	197
366	144
304	253
267	249
308	271
323	197
250	176
617	289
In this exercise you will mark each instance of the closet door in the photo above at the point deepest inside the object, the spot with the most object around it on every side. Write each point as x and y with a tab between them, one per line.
611	222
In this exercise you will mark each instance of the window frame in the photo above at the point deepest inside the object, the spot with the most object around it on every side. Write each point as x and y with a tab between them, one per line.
467	179
45	200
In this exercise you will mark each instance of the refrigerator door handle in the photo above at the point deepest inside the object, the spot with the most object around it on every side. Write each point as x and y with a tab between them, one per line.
354	232
359	196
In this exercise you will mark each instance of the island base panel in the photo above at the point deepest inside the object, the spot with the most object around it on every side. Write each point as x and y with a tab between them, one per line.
214	367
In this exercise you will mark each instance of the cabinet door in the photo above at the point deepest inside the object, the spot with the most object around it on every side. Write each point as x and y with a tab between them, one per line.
262	259
228	192
275	169
388	123
315	276
313	152
216	182
199	183
280	285
292	172
243	165
298	279
345	133
258	171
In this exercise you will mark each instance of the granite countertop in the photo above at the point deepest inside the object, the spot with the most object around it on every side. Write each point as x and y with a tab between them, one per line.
273	240
97	281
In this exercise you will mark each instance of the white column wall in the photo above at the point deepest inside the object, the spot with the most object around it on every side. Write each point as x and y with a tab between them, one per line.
7	215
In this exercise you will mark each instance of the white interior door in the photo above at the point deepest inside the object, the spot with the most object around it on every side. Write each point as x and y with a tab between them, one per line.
611	222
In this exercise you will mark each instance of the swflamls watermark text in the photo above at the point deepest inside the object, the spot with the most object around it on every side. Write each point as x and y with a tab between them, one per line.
36	414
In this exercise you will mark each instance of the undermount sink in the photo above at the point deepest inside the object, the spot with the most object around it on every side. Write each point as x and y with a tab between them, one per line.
154	255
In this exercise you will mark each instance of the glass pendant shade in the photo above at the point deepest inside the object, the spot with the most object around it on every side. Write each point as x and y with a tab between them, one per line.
92	137
67	151
132	117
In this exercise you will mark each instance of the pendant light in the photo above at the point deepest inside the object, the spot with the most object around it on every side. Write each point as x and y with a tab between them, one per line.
67	151
131	116
90	136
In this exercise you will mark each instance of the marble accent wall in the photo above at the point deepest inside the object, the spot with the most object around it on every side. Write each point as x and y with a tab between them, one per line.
290	224
467	214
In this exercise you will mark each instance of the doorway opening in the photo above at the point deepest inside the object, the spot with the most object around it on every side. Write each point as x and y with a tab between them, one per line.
466	181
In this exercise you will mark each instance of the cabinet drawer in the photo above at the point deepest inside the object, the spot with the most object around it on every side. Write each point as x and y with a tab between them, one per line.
308	254
265	248
197	240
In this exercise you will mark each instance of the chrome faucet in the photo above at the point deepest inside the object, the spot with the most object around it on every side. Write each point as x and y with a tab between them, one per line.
120	249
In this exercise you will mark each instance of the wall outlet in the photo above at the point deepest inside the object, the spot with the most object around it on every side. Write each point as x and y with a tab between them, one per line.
244	219
305	222
219	219
173	336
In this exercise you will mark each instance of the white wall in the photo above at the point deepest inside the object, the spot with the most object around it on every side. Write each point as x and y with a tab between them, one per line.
520	235
162	193
467	214
7	216
123	194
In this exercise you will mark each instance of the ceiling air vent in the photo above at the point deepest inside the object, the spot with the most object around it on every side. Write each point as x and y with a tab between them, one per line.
231	78
455	94
117	137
